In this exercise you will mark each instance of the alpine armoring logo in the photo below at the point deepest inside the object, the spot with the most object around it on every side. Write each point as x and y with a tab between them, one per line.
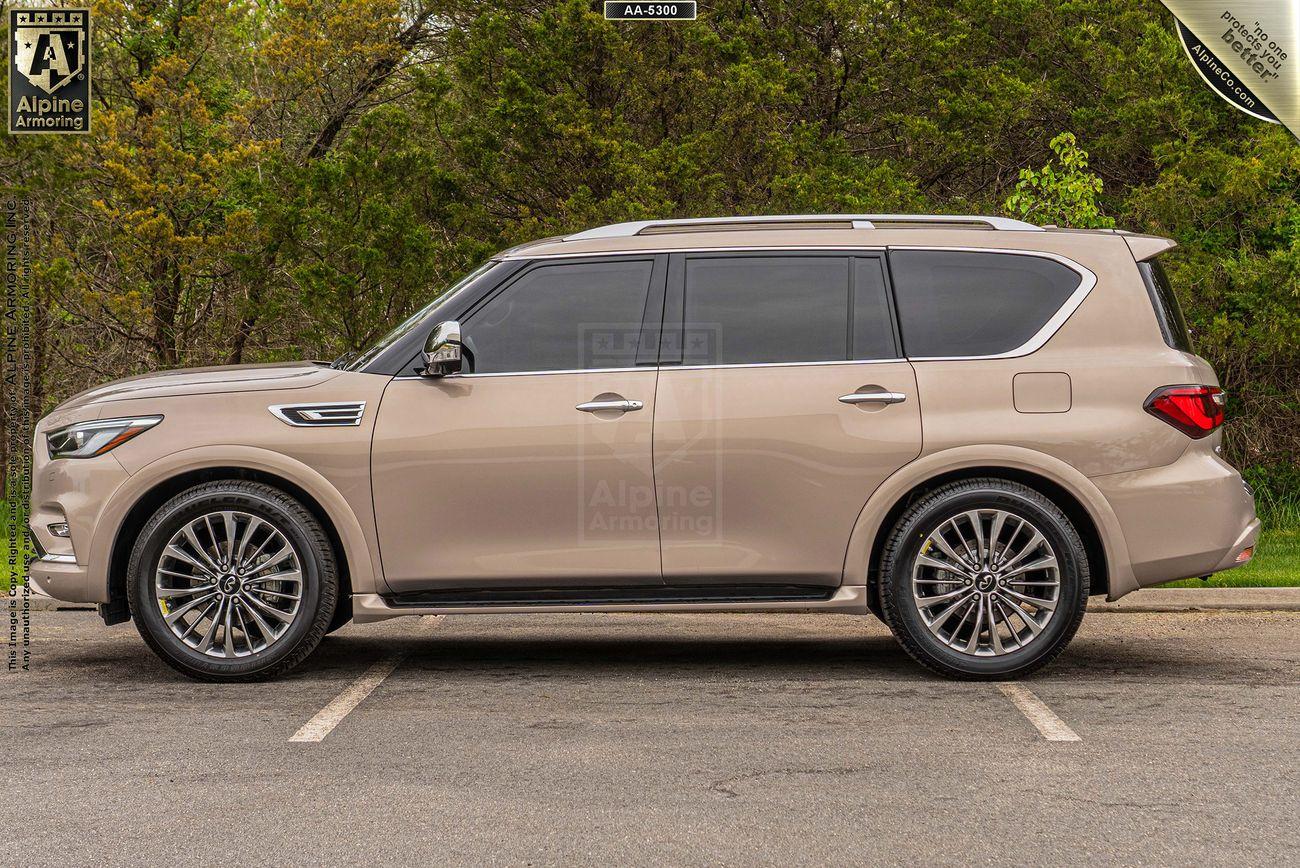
49	70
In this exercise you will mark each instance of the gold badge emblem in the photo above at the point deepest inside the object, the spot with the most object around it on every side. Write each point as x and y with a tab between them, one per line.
49	70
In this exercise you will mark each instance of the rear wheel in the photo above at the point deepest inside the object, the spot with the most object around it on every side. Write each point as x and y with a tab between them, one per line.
232	580
984	579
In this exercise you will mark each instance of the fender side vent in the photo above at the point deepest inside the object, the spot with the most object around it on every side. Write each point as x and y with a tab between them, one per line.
320	415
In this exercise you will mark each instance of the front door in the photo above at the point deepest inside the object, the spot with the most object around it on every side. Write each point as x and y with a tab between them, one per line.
533	470
790	405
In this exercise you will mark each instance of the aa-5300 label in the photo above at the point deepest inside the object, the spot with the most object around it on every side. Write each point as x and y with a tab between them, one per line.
621	10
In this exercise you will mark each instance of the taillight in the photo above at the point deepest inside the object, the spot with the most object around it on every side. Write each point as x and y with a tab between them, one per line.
1194	410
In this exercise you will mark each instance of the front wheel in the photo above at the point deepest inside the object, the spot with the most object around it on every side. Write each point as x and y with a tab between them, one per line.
984	579
232	581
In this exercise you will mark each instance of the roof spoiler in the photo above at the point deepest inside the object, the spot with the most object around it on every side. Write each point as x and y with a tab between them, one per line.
1146	247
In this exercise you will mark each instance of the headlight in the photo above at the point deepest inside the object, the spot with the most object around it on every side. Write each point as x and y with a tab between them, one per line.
88	439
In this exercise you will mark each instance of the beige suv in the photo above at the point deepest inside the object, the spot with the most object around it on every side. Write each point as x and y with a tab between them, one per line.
965	425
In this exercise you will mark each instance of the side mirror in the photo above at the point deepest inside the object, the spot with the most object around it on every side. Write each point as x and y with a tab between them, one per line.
442	351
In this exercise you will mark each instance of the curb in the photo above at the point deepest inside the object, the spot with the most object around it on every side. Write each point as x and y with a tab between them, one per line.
1203	600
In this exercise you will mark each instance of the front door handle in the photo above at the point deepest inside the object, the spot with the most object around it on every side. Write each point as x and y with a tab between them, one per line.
873	398
623	406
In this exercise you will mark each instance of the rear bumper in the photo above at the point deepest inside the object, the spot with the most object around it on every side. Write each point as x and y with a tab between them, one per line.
1247	540
1186	519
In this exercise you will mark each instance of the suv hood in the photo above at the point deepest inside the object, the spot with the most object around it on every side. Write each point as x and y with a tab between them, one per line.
202	381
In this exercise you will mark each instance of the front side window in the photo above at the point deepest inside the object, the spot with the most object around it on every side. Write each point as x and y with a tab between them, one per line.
958	303
563	317
774	309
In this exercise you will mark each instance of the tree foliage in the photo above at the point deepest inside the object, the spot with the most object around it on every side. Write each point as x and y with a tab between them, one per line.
1062	193
288	178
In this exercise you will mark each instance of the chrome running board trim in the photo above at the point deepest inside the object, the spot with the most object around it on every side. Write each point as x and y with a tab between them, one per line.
368	608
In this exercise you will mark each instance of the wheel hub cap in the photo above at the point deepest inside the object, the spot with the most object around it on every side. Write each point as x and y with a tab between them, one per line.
229	584
986	582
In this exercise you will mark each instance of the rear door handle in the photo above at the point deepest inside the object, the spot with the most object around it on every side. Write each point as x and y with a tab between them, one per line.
622	406
873	398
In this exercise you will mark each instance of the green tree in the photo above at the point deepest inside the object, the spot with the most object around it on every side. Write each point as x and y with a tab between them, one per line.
1062	193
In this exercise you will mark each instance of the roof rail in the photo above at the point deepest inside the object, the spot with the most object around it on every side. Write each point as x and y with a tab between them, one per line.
855	221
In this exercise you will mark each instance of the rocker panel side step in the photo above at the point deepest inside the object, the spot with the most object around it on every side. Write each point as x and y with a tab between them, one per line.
845	600
452	598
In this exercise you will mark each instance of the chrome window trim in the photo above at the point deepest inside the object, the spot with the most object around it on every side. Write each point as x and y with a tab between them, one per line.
661	368
278	411
1087	280
829	363
527	373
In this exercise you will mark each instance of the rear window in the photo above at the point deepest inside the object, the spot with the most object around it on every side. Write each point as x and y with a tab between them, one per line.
1170	316
958	303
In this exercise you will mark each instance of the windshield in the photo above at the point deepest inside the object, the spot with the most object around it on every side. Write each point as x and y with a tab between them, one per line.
359	362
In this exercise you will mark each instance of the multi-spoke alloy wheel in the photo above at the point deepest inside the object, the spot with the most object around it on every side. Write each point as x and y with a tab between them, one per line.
983	578
986	582
232	580
229	584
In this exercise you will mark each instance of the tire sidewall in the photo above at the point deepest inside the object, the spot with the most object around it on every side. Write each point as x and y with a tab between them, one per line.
1055	527
148	551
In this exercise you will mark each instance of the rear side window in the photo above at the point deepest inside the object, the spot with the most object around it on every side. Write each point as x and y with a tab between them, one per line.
957	303
773	309
1170	316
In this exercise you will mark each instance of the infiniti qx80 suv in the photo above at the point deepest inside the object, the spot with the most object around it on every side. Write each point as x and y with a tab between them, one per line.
963	425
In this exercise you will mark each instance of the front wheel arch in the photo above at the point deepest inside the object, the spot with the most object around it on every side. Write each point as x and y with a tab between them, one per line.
117	611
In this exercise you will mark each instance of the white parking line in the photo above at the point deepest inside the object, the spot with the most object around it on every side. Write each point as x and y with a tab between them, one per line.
323	723
1036	712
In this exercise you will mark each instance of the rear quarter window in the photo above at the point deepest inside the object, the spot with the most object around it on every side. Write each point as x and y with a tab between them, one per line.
959	303
1173	328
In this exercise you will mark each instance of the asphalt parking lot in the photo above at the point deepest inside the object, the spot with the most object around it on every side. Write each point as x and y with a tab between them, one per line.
645	739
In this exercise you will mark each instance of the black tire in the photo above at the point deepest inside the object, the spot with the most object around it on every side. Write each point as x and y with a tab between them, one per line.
316	559
903	614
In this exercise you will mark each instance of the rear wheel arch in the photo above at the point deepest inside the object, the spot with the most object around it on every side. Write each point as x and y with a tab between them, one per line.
1070	504
148	503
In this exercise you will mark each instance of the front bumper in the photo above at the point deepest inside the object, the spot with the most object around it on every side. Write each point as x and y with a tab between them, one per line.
61	577
72	492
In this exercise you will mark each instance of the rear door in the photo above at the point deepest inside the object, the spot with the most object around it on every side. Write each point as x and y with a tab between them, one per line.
783	402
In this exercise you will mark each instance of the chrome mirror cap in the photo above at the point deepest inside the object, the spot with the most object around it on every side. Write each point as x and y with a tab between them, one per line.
442	351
